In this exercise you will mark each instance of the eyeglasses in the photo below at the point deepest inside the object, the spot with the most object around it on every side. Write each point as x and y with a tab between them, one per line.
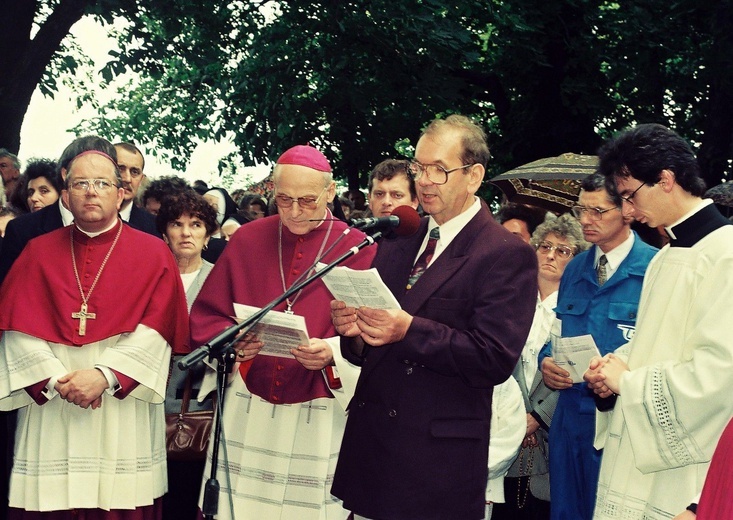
434	172
631	195
100	185
593	213
283	201
562	251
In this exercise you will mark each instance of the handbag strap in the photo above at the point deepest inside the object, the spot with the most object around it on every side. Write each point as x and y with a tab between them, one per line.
187	392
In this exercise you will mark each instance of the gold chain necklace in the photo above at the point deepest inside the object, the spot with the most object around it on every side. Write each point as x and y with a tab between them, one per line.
290	304
83	315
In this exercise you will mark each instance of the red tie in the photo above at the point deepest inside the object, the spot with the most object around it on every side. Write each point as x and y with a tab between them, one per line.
425	257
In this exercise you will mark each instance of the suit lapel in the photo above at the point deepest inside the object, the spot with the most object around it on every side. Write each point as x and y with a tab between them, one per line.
52	218
400	264
396	269
535	382
449	261
432	279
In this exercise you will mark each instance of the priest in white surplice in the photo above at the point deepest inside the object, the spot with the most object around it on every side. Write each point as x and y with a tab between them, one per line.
674	390
87	332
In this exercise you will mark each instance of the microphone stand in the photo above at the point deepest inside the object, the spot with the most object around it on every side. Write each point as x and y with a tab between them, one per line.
221	348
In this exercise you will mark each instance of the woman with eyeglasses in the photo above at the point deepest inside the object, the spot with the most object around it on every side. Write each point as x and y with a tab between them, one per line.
527	486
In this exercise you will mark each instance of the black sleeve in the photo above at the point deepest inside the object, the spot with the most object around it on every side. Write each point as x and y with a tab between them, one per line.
604	404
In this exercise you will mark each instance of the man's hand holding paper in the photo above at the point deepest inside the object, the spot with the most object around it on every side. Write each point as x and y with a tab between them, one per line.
316	356
277	332
344	319
574	354
381	327
360	288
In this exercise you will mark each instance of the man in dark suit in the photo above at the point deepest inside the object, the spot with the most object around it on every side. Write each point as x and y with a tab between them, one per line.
24	228
417	435
131	163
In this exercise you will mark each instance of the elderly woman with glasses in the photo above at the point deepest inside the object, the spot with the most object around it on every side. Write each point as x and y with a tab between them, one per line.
527	486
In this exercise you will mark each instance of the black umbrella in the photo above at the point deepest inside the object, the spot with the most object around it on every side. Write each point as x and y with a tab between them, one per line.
552	183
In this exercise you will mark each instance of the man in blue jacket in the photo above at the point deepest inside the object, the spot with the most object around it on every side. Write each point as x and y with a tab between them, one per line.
599	295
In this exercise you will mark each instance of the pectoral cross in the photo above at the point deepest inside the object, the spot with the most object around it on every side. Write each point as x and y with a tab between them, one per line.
82	316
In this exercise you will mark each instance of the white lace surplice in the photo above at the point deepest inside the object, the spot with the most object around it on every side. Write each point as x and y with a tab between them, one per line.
68	457
675	402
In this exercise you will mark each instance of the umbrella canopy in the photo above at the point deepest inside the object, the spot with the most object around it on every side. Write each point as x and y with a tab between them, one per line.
265	187
721	194
552	183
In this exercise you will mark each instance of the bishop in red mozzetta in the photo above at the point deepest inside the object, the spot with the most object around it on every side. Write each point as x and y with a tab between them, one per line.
283	416
87	332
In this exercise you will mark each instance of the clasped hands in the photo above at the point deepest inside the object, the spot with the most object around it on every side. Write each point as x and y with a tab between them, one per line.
376	327
603	375
83	388
314	356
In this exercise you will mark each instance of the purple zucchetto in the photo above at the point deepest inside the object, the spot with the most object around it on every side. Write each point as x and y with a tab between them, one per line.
305	155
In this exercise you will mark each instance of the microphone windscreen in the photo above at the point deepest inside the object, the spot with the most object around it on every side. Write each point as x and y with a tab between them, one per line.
409	220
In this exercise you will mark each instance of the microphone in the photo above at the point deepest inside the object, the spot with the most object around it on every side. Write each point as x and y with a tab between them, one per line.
404	220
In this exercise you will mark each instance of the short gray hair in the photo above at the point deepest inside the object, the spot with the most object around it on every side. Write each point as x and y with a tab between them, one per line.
473	138
4	152
565	226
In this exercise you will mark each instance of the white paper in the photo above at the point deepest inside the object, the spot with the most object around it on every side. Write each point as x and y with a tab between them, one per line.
363	288
279	331
574	354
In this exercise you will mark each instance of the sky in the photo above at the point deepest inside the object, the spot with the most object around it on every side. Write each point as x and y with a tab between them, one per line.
45	128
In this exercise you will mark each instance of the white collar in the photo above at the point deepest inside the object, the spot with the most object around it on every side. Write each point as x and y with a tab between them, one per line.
66	216
126	212
616	255
92	234
450	229
703	203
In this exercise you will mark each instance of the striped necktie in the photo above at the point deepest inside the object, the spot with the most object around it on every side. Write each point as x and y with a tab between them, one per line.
601	270
425	257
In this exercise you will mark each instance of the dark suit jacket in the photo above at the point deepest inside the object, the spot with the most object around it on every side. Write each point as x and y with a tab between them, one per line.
214	250
144	221
416	439
26	227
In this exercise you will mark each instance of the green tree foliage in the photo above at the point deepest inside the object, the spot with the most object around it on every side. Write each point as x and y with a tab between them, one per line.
349	77
359	78
35	51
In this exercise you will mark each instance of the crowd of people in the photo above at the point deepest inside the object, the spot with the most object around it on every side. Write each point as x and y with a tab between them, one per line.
534	366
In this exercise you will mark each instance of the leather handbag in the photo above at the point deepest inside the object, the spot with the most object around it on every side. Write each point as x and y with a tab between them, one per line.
187	433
